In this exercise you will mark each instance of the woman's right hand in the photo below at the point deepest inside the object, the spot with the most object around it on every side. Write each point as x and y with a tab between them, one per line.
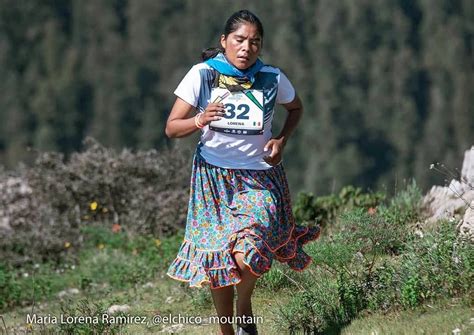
214	111
182	119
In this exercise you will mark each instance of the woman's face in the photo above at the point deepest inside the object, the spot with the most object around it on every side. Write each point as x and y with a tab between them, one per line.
242	47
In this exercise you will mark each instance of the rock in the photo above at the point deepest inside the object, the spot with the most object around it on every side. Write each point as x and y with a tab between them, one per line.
72	291
176	328
466	226
62	294
118	308
467	172
441	203
148	285
68	292
419	233
448	201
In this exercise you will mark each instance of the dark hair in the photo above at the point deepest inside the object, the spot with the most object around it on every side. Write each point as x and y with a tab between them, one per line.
233	23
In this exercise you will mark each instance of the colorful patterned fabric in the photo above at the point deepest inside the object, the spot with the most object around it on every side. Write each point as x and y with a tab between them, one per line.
238	210
233	84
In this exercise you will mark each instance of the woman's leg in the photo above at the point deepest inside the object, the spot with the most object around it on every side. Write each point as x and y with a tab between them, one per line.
245	287
224	302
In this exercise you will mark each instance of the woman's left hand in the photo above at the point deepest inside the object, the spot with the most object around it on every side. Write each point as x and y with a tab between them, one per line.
275	145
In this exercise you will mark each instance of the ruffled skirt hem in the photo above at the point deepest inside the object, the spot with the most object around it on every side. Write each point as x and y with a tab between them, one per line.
218	267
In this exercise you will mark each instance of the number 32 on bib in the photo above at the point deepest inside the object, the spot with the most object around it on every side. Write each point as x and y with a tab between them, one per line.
244	112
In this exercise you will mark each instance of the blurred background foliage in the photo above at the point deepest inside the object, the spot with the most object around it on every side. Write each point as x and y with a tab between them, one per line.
388	86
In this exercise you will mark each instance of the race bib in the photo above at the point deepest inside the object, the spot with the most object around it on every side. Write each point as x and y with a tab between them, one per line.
244	111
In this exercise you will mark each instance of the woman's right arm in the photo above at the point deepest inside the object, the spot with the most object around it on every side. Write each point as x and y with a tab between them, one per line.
181	122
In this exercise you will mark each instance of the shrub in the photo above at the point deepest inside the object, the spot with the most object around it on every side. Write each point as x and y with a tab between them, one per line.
123	260
363	235
87	309
381	288
275	278
313	310
352	260
46	206
404	207
376	262
325	209
25	286
439	263
200	298
114	260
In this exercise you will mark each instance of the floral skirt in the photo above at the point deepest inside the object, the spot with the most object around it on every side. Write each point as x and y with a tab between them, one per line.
238	210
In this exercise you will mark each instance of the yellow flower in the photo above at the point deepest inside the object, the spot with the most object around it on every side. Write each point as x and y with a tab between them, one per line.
157	242
67	244
101	246
29	326
94	205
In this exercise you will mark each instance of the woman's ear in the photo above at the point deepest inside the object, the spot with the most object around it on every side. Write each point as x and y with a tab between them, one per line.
223	41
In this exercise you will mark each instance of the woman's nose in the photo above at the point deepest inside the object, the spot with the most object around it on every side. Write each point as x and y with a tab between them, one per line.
246	45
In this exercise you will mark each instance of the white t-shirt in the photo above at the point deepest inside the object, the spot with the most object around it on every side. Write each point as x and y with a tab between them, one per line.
235	151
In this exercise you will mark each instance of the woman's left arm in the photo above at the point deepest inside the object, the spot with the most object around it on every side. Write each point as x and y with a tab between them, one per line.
277	144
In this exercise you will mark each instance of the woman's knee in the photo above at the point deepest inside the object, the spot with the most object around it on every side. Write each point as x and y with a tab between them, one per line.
244	269
239	259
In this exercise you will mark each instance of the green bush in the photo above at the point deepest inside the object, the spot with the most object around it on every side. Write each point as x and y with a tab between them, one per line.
313	310
325	209
438	264
118	260
125	260
200	298
275	278
382	293
411	290
29	284
376	262
363	235
10	290
86	308
404	207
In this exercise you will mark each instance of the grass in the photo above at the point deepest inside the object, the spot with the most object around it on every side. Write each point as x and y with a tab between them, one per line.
440	317
114	268
167	296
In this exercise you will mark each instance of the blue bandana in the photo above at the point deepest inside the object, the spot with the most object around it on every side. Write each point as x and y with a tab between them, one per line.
222	65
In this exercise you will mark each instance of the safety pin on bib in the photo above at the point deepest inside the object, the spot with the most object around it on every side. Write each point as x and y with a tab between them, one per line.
221	97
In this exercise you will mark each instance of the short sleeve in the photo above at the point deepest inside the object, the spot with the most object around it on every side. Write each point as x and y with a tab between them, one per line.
189	87
286	91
